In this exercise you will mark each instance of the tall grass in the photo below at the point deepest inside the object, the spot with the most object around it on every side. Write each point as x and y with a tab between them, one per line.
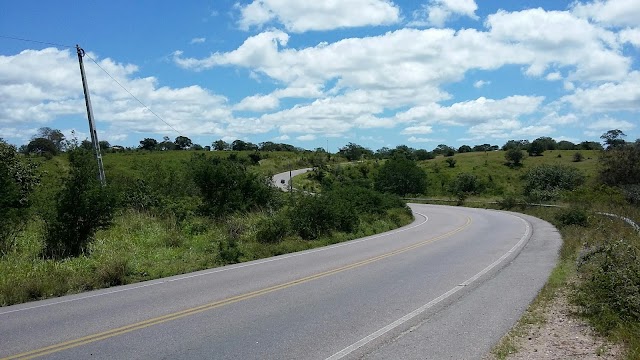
140	246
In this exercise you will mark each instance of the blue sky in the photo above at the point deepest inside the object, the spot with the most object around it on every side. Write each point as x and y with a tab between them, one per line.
373	72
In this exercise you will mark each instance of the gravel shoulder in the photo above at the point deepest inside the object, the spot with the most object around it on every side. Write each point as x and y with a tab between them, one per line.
560	334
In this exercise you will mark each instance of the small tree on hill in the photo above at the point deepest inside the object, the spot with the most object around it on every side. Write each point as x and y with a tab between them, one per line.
400	176
536	148
514	157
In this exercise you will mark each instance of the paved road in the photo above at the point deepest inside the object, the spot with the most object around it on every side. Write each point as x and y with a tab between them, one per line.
446	286
286	176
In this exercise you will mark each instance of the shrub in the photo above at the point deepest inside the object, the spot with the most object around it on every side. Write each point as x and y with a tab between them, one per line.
17	181
610	288
83	206
573	216
514	157
273	229
400	176
464	185
318	215
451	162
227	187
545	182
578	157
508	202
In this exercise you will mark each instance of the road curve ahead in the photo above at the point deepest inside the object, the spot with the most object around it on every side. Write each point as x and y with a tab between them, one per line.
282	180
449	285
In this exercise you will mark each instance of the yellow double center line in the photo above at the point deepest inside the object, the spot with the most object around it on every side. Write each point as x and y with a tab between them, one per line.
198	309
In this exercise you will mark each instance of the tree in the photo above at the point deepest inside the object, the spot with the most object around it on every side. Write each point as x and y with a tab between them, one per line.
621	166
566	145
514	157
445	150
220	145
516	144
353	152
104	145
183	142
536	148
464	149
83	206
18	179
42	146
197	147
590	145
148	144
547	143
483	147
403	150
451	162
400	176
227	186
53	135
464	185
613	139
166	144
422	154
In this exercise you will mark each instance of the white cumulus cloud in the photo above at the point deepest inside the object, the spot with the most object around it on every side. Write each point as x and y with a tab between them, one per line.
301	16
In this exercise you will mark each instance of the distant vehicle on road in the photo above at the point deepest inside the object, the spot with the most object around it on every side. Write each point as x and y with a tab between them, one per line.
282	181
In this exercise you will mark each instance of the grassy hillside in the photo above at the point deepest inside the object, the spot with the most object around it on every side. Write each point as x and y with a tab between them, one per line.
491	169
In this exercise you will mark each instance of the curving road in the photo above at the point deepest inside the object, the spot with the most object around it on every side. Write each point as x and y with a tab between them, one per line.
449	285
282	180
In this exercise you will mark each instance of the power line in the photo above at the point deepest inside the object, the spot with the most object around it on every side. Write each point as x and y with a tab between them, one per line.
101	68
34	41
133	96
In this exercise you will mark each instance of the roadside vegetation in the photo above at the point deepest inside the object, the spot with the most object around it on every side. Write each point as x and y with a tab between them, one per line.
599	263
167	211
164	212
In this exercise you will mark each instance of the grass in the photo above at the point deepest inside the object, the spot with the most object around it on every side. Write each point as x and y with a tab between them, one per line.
491	169
140	246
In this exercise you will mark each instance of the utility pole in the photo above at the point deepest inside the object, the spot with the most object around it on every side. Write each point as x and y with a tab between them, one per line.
92	126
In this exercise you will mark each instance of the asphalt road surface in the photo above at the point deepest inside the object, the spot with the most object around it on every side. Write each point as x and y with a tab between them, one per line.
282	180
447	286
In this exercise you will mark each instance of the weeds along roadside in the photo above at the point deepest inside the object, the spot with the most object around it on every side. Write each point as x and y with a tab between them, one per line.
164	223
600	270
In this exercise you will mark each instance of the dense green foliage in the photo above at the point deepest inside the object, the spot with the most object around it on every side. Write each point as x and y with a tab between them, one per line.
83	206
545	182
465	185
400	176
18	179
227	187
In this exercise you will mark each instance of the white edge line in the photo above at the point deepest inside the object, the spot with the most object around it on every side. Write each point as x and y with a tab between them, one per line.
353	347
226	268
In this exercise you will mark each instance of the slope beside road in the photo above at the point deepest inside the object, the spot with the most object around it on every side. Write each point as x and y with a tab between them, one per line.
449	285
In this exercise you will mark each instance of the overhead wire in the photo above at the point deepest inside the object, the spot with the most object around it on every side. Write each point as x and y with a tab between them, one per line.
101	68
133	96
35	41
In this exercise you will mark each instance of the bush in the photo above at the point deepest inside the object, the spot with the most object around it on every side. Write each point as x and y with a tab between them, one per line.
508	202
227	187
273	229
514	157
610	288
400	176
83	206
577	157
573	216
318	215
17	181
545	182
464	185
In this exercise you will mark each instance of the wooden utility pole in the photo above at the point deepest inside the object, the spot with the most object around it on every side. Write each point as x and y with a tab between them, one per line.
92	127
